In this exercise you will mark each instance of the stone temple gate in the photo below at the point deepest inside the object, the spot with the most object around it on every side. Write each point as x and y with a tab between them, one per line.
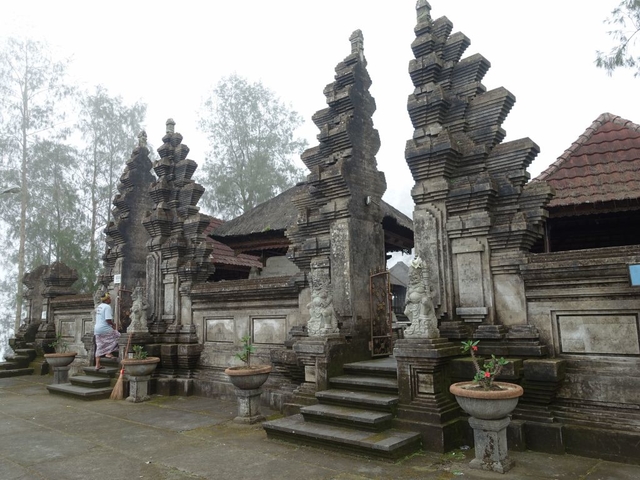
298	283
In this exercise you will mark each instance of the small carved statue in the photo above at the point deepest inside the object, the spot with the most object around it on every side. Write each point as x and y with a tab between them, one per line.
419	304
323	320
138	312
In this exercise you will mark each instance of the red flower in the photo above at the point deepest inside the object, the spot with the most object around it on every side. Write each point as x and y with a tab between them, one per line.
487	375
474	348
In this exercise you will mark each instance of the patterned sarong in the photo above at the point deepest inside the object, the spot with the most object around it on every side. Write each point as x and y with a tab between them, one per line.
107	343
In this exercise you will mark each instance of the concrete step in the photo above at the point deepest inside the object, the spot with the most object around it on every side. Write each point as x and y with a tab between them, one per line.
16	372
8	365
30	353
359	399
387	367
83	393
391	444
108	372
366	382
347	416
22	361
91	381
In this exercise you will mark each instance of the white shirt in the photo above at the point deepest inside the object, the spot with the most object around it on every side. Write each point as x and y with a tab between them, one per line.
103	313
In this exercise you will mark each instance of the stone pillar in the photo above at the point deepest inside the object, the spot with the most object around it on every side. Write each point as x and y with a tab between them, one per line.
490	438
542	379
315	353
61	375
425	403
139	388
249	406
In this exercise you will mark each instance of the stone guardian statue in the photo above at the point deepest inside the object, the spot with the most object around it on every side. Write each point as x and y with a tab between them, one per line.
419	304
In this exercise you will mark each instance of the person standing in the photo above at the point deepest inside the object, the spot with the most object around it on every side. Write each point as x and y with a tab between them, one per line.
105	331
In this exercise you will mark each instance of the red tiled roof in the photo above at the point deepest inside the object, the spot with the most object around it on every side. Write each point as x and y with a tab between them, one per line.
224	255
603	165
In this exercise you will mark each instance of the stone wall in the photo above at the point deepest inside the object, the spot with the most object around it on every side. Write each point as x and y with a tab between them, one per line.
73	317
588	315
266	310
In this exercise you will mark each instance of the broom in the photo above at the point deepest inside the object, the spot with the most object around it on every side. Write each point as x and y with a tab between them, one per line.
118	390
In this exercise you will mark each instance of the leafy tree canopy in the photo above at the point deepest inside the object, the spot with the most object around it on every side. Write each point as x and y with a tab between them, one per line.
252	135
625	19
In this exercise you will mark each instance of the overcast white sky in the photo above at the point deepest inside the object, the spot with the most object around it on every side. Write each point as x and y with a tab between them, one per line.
169	53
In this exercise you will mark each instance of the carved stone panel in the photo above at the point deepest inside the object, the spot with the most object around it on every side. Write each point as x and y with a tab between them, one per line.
219	330
269	330
68	329
611	333
87	326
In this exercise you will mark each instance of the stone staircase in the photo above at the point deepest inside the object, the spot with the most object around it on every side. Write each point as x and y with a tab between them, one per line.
19	364
92	385
355	414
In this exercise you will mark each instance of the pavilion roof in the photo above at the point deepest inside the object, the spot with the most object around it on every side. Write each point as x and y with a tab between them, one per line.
601	169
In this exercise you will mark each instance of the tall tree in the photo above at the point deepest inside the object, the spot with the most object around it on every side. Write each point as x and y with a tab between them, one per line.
626	20
110	129
32	90
56	226
252	134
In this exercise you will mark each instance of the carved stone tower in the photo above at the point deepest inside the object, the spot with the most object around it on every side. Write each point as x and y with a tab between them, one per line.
178	254
339	230
475	215
126	254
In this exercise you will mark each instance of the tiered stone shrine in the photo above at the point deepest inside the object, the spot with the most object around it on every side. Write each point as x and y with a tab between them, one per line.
340	206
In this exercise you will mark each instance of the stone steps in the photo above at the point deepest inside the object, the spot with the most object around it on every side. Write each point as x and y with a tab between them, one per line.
15	372
359	399
389	444
93	385
382	367
340	415
361	382
355	415
18	365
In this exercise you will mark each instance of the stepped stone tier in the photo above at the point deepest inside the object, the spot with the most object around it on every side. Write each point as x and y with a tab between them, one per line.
337	209
341	204
179	253
125	236
475	215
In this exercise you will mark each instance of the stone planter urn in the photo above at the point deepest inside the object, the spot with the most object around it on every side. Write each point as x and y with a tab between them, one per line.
489	412
139	371
248	381
60	362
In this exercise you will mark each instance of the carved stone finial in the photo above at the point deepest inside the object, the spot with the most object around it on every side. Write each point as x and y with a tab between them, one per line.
142	139
171	125
357	42
423	10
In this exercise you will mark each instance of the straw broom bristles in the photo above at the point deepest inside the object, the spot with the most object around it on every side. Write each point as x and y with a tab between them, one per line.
118	390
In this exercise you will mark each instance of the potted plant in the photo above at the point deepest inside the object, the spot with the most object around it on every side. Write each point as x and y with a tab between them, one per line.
489	404
247	376
61	357
248	379
139	369
140	364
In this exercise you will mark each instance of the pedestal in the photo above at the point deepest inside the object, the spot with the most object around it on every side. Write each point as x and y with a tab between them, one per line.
425	404
61	375
138	388
490	437
315	353
249	406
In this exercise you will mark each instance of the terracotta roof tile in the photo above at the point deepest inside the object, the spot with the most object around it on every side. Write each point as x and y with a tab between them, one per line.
602	165
224	255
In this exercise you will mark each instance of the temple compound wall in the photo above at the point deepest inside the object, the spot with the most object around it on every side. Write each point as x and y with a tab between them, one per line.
567	322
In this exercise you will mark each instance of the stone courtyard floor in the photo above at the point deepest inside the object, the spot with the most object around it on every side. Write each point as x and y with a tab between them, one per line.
45	436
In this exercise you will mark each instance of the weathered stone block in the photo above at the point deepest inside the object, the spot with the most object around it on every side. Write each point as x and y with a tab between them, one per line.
548	369
544	437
